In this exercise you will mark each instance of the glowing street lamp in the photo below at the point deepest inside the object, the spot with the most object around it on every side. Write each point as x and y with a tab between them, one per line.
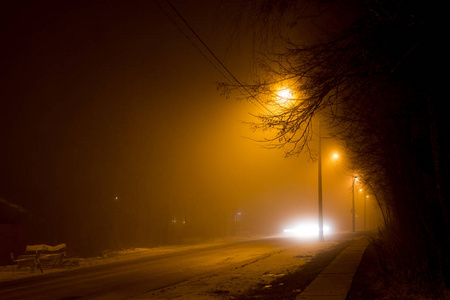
365	219
320	188
364	197
284	97
353	204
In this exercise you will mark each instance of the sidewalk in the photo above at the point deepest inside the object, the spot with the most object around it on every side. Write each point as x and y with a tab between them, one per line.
334	282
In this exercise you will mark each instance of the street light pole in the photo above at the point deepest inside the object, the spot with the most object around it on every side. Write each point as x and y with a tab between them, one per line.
353	205
320	188
365	198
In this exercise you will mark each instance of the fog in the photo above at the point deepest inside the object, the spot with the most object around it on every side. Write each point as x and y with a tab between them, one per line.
107	110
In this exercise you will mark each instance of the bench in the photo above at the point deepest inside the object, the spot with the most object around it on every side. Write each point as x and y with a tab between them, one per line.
41	256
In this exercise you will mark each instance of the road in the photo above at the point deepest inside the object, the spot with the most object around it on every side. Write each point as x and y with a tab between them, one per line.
150	276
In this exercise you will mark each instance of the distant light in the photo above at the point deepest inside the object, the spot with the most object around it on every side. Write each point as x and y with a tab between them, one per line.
335	156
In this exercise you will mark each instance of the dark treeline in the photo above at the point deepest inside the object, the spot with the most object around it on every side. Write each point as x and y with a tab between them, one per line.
369	71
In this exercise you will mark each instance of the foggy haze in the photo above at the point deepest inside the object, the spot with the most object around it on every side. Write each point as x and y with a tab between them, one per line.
109	113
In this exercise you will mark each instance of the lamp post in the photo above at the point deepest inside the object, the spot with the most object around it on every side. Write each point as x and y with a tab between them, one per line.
283	98
353	205
365	219
320	188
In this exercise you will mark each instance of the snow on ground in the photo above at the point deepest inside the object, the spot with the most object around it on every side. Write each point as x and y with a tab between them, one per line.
238	278
10	272
220	284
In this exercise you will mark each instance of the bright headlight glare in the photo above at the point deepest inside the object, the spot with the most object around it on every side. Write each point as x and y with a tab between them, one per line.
306	230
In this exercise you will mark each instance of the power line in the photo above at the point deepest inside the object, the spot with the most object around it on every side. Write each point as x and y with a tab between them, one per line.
210	52
190	40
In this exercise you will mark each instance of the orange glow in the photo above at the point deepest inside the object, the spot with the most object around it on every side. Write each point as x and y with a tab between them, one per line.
284	97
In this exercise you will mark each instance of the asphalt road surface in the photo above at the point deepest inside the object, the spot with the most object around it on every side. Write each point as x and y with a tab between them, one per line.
139	276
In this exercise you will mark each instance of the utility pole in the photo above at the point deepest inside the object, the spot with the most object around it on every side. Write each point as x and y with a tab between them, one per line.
320	189
353	205
365	198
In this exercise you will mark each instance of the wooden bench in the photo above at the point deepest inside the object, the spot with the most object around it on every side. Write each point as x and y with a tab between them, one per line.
41	256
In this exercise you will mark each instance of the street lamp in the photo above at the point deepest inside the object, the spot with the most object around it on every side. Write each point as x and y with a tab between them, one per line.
320	188
353	205
365	211
335	156
284	98
365	219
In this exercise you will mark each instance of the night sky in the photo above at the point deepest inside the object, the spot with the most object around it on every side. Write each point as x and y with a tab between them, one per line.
106	99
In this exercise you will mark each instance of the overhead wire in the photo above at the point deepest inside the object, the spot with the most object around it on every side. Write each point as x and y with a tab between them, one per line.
234	78
190	40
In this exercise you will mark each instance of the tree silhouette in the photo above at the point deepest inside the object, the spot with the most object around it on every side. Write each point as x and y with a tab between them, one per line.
368	72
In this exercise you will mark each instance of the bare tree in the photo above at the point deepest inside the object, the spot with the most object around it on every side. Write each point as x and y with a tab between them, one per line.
370	78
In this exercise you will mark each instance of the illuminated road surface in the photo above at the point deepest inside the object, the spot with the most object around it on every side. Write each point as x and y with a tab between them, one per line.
138	277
